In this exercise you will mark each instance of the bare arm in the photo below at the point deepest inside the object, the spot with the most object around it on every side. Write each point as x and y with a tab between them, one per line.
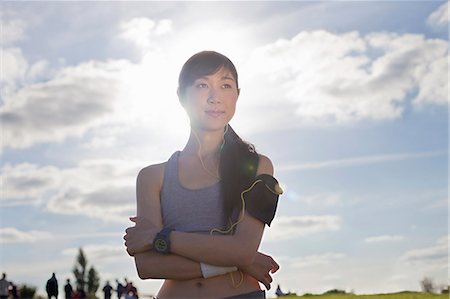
150	264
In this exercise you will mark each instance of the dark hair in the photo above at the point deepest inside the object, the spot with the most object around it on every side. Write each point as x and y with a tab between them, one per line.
203	64
238	159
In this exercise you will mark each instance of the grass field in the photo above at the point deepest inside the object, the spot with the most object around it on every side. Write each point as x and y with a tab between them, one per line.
401	295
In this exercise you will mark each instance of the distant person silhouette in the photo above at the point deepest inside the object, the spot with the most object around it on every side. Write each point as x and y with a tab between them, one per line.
68	290
131	291
4	287
280	293
120	289
52	287
107	290
13	291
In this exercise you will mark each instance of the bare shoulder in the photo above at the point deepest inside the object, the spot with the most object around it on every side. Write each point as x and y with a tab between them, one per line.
265	166
148	188
151	176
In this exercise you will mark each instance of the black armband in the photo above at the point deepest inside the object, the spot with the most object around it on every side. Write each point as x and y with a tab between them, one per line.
261	198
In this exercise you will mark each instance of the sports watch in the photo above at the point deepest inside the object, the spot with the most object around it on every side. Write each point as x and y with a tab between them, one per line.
161	243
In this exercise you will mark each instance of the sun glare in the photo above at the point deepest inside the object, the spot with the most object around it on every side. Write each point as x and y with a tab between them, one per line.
149	94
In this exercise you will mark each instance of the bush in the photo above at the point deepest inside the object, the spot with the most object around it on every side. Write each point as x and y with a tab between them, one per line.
427	285
335	291
27	291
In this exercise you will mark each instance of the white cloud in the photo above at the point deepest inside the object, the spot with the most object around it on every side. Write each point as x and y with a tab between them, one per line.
320	77
100	253
76	99
439	18
321	199
289	227
27	182
142	31
434	255
13	235
12	31
383	238
113	204
17	71
101	189
105	98
433	84
317	259
357	161
14	65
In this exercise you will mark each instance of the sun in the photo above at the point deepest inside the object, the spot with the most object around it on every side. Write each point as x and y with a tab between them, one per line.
149	96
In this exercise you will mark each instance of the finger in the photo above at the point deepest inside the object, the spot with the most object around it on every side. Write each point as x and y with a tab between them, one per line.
265	283
130	253
275	267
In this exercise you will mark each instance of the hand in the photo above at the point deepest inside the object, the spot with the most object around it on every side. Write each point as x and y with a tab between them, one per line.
261	269
139	238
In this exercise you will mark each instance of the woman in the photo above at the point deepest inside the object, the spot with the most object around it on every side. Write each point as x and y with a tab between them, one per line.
201	215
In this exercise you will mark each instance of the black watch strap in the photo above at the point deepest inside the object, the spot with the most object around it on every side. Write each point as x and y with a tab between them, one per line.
161	243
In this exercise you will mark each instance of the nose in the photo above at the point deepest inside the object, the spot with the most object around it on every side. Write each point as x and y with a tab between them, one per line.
213	96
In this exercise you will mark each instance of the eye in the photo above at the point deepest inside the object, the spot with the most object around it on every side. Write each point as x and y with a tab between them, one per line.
201	85
227	86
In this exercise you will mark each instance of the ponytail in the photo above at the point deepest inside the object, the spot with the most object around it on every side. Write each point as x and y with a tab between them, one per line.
237	168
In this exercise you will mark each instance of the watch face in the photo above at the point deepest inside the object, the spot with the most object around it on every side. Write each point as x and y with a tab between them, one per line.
160	245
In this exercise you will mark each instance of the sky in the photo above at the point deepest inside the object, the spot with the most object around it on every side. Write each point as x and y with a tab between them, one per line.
348	99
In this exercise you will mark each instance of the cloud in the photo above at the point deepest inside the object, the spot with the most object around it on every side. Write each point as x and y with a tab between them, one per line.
319	77
143	31
12	31
383	238
439	18
100	189
76	99
324	200
13	235
16	71
317	259
436	254
14	65
108	99
358	161
114	204
289	227
100	253
27	182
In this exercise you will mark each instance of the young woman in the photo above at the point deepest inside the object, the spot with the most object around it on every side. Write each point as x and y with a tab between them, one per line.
201	215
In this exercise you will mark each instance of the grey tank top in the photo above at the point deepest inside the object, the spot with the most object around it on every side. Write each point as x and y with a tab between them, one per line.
188	210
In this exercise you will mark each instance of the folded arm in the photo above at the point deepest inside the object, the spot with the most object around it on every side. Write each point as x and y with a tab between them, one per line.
152	265
188	249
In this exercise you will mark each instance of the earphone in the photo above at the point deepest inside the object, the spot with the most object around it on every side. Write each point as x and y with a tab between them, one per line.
200	150
277	191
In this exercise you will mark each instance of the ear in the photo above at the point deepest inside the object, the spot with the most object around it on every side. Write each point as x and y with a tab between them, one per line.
238	92
180	98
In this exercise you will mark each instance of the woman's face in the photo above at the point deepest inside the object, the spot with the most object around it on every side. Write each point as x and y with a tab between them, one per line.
211	100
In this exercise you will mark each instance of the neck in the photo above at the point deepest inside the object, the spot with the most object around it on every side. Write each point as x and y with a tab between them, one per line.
207	143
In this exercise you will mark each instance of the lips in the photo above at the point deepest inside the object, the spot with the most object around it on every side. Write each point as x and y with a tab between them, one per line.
214	113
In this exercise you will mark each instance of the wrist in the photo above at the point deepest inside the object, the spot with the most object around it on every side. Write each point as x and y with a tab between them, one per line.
161	242
211	270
